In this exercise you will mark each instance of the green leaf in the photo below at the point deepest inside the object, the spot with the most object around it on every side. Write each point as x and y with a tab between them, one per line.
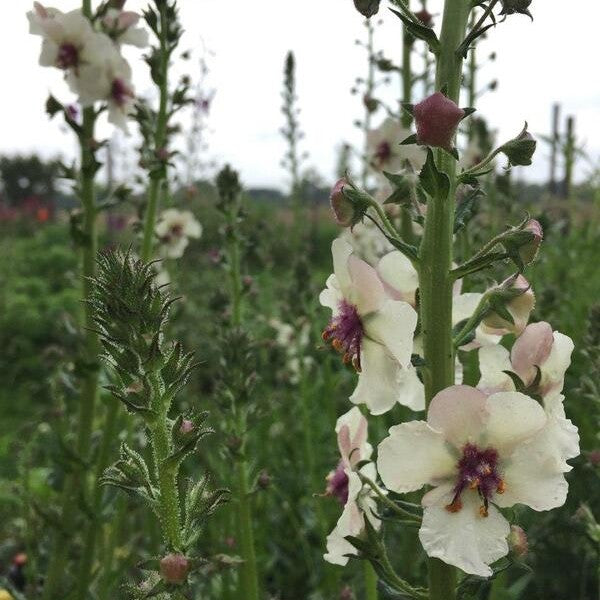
466	209
419	31
433	181
402	189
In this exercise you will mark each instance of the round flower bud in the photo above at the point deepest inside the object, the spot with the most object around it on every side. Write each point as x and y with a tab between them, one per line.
264	479
436	119
511	303
425	17
528	252
370	103
174	568
346	593
367	8
517	540
510	7
186	426
520	150
342	207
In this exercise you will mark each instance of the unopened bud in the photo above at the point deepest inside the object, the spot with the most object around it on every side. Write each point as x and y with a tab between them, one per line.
594	458
367	8
385	65
370	103
425	17
162	154
264	479
346	593
523	243
346	211
510	7
436	119
511	304
517	540
174	568
520	150
186	426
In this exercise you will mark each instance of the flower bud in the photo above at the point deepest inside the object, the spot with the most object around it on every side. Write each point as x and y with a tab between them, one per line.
510	7
264	479
425	17
593	457
347	203
523	243
174	568
385	65
511	304
367	8
520	150
346	593
517	540
186	426
437	118
370	103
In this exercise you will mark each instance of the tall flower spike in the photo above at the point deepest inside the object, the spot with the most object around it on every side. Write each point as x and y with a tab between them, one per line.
477	452
436	119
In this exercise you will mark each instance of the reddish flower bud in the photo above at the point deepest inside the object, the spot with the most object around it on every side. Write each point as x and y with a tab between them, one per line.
174	568
370	103
264	479
517	540
437	118
594	457
529	251
342	207
186	426
425	17
346	593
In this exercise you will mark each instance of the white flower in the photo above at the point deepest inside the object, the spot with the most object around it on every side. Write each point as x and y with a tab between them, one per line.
294	340
121	26
385	152
108	80
538	347
477	452
69	41
344	483
373	332
174	228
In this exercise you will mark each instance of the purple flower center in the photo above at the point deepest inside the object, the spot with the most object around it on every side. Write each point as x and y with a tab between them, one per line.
383	152
337	484
345	332
477	470
68	56
120	92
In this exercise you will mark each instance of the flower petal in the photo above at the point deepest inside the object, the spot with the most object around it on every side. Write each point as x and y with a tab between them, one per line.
413	455
493	361
533	477
512	419
331	296
399	276
352	430
531	349
464	539
557	363
341	252
393	325
459	413
378	381
367	290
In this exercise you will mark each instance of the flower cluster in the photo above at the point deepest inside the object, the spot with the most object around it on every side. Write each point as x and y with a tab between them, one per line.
91	56
481	449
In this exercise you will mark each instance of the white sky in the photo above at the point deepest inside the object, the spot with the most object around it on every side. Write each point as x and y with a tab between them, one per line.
553	59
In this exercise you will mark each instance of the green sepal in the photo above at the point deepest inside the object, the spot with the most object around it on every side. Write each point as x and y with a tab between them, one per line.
419	30
433	181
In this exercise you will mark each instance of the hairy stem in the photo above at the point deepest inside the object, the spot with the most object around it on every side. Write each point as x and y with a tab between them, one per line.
436	260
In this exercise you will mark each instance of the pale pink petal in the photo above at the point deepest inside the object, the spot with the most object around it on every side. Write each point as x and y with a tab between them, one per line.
531	350
493	361
351	429
341	252
412	456
459	412
399	277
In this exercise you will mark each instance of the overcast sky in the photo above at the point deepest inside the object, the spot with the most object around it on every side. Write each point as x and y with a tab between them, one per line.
551	60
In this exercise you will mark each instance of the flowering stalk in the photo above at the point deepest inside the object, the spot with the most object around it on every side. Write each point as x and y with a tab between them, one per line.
369	88
229	194
160	68
436	260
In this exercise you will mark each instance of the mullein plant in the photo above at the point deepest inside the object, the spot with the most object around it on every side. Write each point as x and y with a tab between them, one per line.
399	325
85	44
130	314
292	134
238	379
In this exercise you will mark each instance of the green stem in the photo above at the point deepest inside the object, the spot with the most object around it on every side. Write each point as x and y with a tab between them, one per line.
243	500
368	92
392	505
75	483
160	138
370	581
436	260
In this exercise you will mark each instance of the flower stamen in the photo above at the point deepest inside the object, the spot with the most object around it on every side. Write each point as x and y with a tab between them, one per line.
345	332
